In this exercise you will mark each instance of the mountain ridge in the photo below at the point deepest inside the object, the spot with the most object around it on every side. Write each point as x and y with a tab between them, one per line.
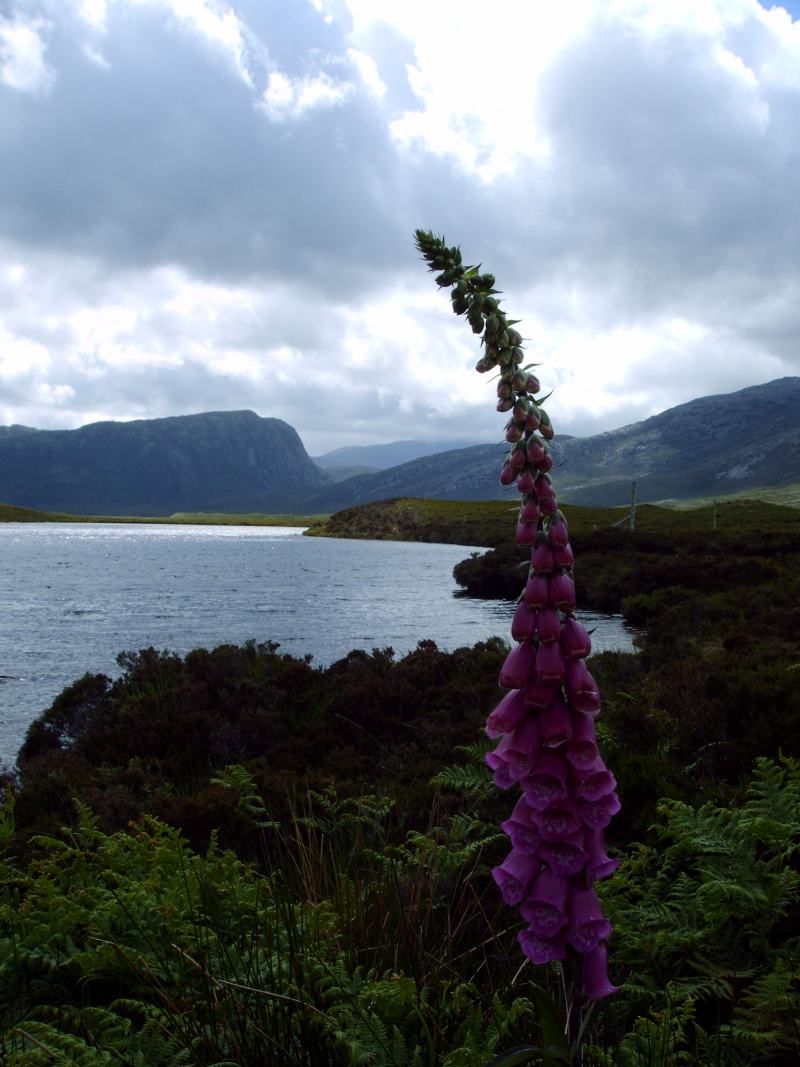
212	461
241	462
711	445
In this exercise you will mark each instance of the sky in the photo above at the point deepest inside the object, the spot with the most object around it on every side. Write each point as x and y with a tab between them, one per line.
210	205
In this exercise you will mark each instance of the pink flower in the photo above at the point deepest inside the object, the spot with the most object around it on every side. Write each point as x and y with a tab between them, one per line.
563	557
598	863
575	641
518	666
521	829
526	482
543	488
547	738
582	749
527	533
546	782
515	875
508	714
523	625
550	662
555	723
507	474
582	691
529	510
567	857
562	592
538	693
557	533
523	748
536	450
546	906
542	558
502	775
558	822
500	764
548	625
595	974
537	591
597	783
539	949
587	924
597	814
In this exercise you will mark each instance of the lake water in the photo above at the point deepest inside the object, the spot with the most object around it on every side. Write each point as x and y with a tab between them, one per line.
72	596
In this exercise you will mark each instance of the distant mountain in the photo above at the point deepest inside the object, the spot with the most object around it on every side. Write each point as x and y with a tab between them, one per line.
341	474
15	430
230	461
381	457
706	447
235	461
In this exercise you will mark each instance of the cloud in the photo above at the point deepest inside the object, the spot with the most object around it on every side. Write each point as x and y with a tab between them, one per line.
209	204
285	99
22	55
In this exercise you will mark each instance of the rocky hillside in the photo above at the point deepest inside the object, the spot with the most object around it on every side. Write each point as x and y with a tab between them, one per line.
230	461
707	447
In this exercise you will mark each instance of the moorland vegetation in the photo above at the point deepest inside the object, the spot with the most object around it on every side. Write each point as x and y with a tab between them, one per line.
237	857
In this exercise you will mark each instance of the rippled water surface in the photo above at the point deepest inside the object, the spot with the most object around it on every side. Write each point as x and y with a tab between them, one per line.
72	596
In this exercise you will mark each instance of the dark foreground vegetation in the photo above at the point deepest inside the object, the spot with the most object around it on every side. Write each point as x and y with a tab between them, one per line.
239	858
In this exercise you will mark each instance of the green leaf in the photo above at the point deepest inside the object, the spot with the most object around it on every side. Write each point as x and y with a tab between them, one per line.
551	1022
523	1053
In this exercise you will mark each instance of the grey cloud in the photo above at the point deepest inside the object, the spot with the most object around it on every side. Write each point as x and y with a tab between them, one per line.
164	157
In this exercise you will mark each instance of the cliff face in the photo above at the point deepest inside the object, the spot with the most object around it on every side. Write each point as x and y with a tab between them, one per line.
707	447
231	461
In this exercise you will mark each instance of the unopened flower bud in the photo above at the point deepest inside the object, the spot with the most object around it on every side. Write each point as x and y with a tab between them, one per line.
523	625
537	591
575	640
542	558
581	688
548	625
562	592
507	474
518	666
529	510
527	533
526	482
535	449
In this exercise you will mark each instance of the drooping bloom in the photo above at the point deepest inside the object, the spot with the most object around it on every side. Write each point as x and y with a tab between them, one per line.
547	744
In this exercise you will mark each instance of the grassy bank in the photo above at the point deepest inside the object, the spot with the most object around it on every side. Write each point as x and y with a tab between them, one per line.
10	513
491	522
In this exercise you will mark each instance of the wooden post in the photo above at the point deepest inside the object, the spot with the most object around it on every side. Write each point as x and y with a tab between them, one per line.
632	516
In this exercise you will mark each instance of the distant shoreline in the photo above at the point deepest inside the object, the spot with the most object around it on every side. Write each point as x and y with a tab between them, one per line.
11	513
